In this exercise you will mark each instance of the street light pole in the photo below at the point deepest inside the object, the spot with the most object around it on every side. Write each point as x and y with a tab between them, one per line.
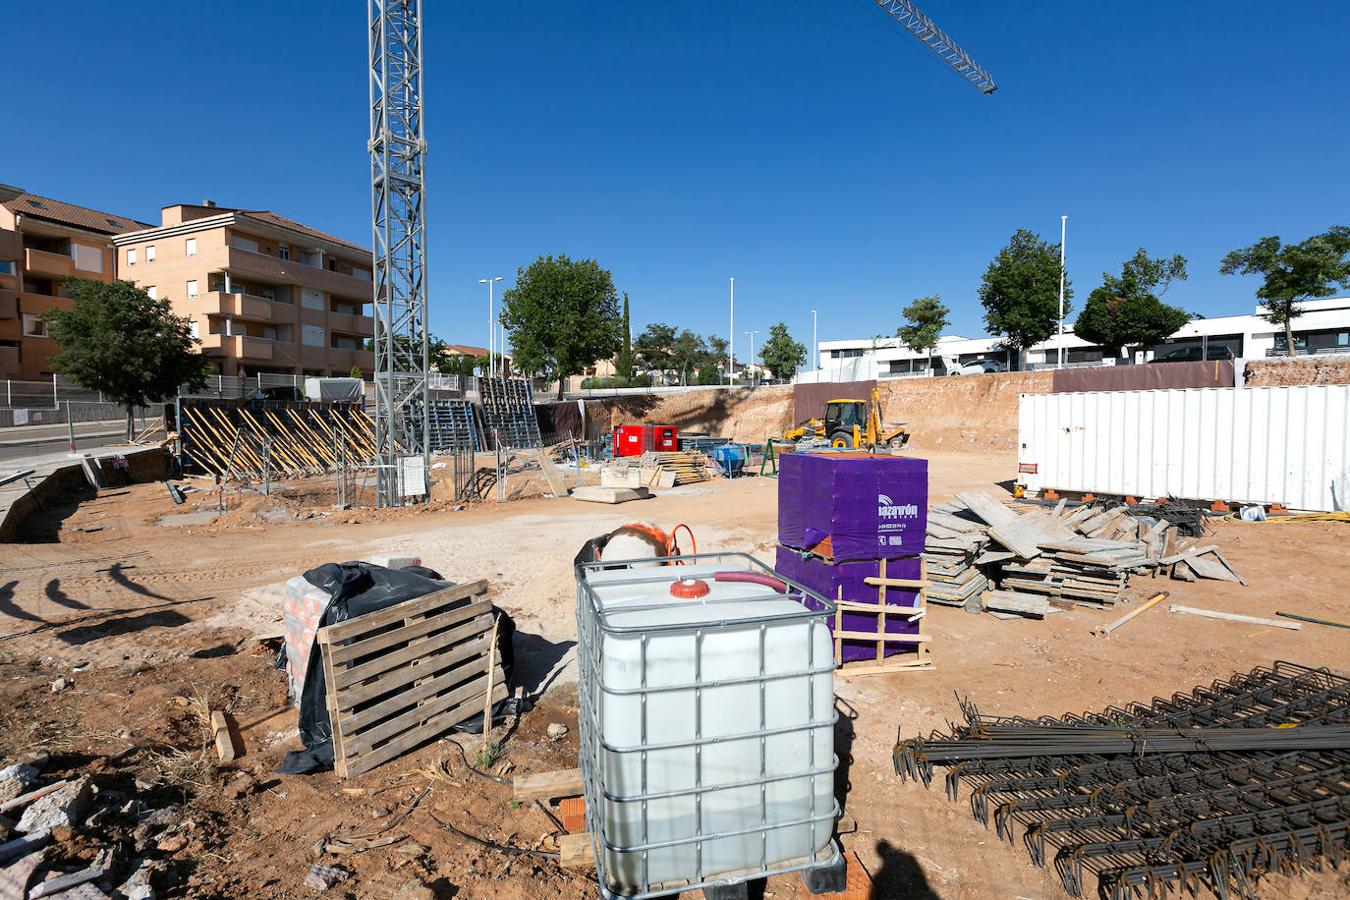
752	334
731	359
492	328
1063	229
815	348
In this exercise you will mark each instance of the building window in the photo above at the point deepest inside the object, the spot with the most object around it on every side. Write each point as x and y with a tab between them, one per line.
191	246
34	326
152	292
332	265
284	252
193	328
192	290
8	267
87	259
150	253
131	256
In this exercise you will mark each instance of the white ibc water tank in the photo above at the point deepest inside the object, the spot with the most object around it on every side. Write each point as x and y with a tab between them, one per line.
706	724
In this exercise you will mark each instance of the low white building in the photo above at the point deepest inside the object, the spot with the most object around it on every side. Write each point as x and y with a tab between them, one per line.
1323	328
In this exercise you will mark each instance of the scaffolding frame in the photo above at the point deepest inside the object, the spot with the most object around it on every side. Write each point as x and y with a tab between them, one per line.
398	223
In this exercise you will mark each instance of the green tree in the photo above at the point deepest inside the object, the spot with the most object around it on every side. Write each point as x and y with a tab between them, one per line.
655	346
1126	311
781	355
623	364
686	352
1293	273
355	372
924	320
1020	291
714	358
563	316
119	340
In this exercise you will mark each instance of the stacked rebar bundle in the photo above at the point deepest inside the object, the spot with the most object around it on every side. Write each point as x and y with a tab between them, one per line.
1216	787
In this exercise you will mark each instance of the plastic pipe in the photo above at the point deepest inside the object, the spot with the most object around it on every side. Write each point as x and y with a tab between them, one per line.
752	578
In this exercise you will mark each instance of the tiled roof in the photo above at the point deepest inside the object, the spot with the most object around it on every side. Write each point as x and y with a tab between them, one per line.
469	350
271	218
50	210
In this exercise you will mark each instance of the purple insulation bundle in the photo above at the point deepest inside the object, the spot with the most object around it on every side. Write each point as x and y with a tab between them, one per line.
828	579
870	507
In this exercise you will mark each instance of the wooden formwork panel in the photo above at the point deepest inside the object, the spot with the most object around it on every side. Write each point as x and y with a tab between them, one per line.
404	675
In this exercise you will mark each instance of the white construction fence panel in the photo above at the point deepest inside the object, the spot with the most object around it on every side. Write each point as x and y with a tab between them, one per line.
1288	445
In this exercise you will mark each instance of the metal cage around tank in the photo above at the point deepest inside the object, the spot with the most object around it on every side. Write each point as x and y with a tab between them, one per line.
595	626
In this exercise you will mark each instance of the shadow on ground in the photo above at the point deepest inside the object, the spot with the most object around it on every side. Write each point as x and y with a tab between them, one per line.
538	662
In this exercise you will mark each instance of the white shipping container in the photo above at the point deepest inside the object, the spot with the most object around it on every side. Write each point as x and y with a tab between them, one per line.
1288	445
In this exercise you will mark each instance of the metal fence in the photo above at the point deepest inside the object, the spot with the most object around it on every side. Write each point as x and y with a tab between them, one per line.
29	433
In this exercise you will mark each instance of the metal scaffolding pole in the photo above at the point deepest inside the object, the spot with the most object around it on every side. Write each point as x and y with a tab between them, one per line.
398	217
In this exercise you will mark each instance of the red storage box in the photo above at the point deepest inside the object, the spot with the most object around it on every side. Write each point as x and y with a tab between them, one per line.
635	440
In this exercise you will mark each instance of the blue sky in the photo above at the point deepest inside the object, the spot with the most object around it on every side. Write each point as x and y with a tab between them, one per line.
823	158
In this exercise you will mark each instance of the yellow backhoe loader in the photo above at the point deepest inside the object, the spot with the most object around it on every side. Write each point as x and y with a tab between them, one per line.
851	424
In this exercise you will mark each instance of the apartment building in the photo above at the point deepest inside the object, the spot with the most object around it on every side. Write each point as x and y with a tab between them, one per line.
43	242
263	293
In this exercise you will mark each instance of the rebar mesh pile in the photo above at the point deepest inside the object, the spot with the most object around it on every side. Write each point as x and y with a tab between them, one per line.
1245	776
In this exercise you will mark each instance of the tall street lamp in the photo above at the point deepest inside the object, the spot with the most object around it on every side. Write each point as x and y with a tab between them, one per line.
815	347
1063	229
492	328
731	351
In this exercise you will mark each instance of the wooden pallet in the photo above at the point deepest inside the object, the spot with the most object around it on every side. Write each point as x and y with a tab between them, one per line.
401	676
923	657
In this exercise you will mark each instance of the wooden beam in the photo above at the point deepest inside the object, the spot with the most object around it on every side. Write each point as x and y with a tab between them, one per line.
226	747
1233	617
547	785
575	851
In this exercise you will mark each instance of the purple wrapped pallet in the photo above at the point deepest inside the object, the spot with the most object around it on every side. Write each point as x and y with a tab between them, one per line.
828	580
870	507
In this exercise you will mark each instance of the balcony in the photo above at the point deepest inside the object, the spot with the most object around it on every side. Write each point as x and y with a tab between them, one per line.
360	325
238	346
292	271
9	304
240	306
43	263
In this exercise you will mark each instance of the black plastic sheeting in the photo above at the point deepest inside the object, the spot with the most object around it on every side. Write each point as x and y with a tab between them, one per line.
355	589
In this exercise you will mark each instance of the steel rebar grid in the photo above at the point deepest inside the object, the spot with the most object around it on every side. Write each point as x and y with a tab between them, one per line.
1144	823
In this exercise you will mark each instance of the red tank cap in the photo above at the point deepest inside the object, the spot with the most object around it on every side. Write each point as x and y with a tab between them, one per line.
689	588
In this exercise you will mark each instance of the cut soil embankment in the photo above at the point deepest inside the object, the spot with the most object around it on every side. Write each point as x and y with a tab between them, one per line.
963	412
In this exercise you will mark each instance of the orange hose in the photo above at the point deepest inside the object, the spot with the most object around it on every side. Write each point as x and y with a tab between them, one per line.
674	543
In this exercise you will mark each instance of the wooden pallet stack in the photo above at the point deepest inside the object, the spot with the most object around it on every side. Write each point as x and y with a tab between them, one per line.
1084	557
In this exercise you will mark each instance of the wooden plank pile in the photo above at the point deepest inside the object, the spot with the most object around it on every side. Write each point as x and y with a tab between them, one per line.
1084	557
689	466
953	547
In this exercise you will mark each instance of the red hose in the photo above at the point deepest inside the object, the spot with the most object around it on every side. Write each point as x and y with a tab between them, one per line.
752	578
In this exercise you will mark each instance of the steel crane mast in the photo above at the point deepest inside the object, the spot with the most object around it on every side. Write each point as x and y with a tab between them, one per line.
923	28
398	217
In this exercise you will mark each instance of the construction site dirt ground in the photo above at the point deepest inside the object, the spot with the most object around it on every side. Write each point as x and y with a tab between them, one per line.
154	619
